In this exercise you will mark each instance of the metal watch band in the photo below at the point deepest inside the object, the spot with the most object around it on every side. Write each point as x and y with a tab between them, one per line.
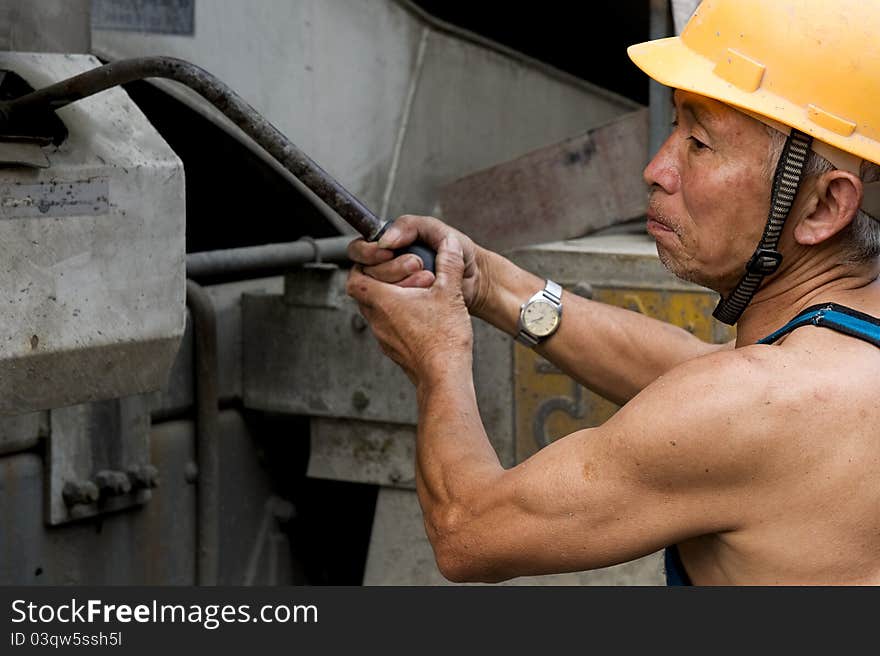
552	292
527	340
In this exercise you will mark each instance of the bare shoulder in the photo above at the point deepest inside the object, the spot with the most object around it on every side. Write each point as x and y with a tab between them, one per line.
743	412
718	418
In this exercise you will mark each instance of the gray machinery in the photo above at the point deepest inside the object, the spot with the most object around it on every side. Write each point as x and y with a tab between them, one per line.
174	418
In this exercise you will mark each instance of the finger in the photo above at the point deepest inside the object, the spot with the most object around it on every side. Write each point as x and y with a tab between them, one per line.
365	252
409	228
421	279
396	270
450	263
358	286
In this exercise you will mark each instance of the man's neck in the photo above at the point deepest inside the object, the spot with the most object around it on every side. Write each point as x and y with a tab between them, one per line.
801	285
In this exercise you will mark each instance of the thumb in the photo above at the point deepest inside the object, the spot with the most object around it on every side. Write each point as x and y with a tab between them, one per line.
449	263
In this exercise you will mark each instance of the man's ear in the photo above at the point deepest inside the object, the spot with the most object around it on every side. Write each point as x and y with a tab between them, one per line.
831	207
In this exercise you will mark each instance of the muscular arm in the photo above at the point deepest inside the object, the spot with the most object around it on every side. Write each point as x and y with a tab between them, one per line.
681	459
665	468
612	351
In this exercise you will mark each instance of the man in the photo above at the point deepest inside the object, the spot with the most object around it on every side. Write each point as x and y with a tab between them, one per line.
760	462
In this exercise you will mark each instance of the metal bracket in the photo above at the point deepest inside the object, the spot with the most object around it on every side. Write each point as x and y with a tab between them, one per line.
99	459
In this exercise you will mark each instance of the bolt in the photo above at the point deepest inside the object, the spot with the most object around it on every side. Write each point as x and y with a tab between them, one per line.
191	472
143	477
75	493
112	483
583	289
358	323
359	400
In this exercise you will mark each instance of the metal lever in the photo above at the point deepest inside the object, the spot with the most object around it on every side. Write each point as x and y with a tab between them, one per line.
227	101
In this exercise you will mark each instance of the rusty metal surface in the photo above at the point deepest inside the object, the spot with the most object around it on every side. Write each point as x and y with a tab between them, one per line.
566	190
362	452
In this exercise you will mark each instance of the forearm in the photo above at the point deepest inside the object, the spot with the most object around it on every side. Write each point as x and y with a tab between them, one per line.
612	351
455	462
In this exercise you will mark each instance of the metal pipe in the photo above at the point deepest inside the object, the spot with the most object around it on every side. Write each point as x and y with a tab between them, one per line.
204	318
217	93
659	96
268	260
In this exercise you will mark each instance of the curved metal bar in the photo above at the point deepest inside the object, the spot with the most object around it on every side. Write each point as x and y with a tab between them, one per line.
224	99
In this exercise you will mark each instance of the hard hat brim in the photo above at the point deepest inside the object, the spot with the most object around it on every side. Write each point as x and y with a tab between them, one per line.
671	63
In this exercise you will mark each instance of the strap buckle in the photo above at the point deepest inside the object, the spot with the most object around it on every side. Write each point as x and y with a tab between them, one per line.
764	261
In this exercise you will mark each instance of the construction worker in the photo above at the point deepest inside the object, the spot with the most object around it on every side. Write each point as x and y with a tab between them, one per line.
756	462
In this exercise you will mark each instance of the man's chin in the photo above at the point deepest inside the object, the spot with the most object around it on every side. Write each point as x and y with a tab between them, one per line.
677	269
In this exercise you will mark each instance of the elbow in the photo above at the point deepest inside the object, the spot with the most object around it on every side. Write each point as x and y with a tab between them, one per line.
459	567
460	549
454	563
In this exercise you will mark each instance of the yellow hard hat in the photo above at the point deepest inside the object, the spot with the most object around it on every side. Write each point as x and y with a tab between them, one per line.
813	65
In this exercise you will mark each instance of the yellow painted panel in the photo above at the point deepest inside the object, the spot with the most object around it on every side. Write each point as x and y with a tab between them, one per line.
550	405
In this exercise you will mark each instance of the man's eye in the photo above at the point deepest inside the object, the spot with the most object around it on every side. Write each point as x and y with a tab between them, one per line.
699	145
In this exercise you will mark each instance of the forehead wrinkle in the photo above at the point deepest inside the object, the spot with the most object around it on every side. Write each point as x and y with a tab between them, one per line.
700	112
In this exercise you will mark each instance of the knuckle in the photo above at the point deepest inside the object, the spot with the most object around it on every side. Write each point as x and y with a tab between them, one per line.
355	248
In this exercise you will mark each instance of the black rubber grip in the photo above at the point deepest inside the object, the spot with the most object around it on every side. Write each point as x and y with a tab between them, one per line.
423	251
420	249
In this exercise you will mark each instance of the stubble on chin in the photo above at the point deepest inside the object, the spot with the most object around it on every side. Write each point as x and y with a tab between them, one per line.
674	267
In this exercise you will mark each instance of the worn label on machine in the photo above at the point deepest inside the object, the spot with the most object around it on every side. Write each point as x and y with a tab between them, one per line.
151	16
47	199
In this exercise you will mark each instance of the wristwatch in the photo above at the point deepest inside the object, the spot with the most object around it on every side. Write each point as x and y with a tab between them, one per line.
539	317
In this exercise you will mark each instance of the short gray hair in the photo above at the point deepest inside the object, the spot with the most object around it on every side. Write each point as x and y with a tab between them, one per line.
861	238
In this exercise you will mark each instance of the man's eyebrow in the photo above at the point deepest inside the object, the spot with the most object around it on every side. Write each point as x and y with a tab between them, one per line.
702	115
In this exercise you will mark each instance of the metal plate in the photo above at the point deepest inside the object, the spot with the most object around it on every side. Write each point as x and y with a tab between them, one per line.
363	452
86	439
309	352
566	190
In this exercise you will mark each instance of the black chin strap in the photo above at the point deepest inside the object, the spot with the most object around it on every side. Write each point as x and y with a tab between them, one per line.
766	259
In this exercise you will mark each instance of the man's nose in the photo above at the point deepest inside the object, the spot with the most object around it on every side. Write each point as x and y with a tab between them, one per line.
662	170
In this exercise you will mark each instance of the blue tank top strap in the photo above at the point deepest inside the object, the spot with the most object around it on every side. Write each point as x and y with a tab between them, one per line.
836	317
675	571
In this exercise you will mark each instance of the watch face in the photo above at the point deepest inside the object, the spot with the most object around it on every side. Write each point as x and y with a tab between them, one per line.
540	318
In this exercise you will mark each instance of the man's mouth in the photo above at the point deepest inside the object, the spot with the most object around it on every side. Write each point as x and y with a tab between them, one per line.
656	223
